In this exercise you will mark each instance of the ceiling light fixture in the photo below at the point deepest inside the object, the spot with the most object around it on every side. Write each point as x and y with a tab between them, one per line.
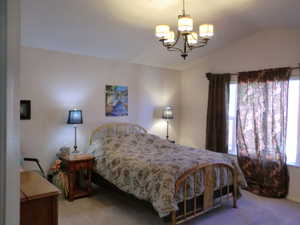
184	30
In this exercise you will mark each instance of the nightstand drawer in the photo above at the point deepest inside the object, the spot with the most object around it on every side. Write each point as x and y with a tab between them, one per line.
80	166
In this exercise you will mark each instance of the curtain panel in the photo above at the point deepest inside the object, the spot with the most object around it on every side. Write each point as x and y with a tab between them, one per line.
217	112
261	130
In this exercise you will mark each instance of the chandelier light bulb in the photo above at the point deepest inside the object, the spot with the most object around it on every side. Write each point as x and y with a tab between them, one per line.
206	30
192	38
162	31
185	23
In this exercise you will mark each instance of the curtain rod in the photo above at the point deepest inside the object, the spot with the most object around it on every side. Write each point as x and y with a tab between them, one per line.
292	68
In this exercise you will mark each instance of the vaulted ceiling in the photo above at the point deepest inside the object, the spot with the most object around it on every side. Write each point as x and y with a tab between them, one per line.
124	29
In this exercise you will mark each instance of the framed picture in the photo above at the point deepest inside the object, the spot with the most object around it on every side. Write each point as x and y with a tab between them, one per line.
116	100
25	110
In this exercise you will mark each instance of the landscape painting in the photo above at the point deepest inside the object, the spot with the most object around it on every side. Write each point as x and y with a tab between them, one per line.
116	100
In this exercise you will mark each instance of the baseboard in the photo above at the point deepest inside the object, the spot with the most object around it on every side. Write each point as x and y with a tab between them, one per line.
293	199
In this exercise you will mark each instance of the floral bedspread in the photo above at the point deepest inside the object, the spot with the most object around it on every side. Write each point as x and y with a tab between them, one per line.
147	167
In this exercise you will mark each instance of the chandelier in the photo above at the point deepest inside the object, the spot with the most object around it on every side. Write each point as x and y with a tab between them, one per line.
185	31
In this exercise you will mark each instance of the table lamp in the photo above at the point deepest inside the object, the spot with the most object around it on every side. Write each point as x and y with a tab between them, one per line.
167	115
75	117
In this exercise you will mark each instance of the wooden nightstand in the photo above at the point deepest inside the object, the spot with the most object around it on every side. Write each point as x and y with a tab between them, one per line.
79	171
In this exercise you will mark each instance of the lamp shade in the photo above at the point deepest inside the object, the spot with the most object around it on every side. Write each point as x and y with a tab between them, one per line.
206	30
75	117
168	113
185	23
162	31
192	38
170	38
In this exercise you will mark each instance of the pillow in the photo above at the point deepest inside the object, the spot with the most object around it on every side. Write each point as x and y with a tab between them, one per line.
96	148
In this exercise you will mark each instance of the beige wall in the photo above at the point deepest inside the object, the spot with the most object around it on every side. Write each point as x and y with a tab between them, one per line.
56	82
265	49
12	159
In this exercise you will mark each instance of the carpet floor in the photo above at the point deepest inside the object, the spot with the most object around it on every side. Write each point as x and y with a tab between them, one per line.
111	208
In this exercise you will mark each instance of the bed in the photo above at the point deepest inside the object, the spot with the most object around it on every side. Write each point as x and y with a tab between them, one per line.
178	181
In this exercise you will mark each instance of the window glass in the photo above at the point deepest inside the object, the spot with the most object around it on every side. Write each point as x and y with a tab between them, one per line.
292	127
232	118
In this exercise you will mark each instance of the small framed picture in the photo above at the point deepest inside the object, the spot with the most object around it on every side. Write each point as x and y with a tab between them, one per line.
116	100
25	110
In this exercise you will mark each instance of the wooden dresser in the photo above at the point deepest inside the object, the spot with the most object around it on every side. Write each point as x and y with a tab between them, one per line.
38	200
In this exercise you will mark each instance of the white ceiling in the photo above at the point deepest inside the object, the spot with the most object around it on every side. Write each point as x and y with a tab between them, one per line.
124	29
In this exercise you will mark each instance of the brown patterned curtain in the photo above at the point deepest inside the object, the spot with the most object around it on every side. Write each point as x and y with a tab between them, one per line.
261	130
217	112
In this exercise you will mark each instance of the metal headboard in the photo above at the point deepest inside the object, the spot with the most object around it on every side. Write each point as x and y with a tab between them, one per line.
114	129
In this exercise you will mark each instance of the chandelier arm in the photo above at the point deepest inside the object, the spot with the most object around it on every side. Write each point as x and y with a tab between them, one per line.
175	49
197	46
166	45
190	46
189	49
203	43
171	48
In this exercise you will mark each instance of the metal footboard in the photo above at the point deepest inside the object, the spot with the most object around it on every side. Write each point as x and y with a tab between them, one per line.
212	198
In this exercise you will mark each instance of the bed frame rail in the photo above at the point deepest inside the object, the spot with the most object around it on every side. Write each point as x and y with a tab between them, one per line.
192	207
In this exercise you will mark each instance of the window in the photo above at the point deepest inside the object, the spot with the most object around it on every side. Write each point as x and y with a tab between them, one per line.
293	126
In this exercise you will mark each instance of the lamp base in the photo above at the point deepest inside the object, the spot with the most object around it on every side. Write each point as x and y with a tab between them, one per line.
75	150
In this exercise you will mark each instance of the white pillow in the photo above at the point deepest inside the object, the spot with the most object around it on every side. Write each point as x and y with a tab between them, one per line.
96	148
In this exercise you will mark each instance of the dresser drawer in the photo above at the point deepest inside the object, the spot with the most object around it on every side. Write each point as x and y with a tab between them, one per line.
83	165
